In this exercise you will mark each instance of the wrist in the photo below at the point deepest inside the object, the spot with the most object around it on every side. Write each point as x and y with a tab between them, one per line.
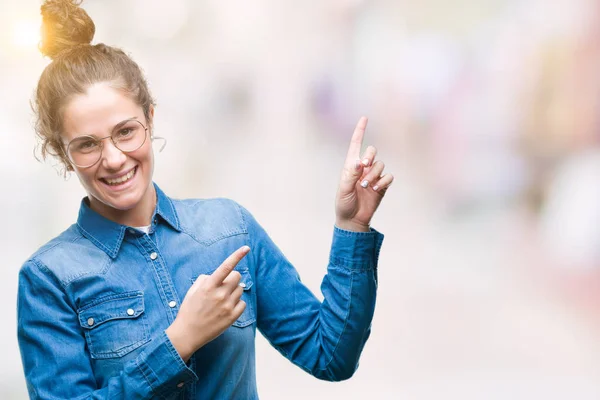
352	226
180	341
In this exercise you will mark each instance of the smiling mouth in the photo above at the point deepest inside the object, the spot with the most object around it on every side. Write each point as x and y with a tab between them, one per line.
121	180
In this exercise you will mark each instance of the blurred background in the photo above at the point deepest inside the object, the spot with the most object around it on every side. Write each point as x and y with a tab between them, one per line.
486	111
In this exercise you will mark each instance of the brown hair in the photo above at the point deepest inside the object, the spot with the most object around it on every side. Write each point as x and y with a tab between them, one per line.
67	33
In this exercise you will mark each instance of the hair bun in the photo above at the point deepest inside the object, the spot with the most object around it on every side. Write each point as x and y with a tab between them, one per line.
64	25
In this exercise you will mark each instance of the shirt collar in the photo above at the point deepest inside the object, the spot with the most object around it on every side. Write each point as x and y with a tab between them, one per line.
108	235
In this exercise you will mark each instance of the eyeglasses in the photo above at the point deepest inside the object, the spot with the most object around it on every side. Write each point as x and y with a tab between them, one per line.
85	151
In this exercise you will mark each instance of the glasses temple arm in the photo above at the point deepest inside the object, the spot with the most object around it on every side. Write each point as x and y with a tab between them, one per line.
153	138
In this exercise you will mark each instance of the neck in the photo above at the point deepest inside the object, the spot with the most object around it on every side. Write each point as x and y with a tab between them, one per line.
139	215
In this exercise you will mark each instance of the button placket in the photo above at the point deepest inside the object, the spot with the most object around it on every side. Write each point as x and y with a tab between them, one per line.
163	277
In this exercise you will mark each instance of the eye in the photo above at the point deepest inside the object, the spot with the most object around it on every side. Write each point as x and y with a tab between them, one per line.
85	145
125	132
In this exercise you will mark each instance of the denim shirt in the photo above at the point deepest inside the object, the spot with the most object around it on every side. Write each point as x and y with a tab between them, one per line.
94	303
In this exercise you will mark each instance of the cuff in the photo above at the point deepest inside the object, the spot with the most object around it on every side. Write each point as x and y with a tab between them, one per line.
163	368
355	250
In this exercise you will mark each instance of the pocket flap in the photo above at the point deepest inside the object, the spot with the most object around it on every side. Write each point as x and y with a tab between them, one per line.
121	306
245	280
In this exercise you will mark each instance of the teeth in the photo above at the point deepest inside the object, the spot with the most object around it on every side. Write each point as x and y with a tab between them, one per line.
122	179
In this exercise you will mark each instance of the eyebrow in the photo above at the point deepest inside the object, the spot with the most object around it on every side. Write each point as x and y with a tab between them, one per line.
120	124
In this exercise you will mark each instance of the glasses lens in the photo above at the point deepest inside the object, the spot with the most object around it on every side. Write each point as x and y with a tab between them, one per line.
129	136
84	151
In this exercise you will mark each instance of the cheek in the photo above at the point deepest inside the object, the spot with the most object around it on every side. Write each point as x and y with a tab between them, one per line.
86	177
148	155
145	157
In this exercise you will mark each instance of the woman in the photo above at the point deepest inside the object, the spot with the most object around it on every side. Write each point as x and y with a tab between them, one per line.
150	297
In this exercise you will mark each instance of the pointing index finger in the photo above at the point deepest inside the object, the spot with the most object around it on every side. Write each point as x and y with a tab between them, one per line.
357	140
228	265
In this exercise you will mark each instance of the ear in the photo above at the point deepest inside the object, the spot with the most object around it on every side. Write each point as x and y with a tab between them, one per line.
151	113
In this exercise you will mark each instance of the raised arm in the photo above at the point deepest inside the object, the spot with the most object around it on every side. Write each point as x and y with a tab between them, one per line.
326	339
323	338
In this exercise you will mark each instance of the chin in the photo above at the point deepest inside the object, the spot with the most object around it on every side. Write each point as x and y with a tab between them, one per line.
121	201
123	205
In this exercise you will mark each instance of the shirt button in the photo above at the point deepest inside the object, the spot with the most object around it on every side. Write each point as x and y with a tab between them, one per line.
153	256
180	384
132	231
172	304
130	311
90	321
242	285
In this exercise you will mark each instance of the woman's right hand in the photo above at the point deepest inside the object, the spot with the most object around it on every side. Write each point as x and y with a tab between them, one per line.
210	306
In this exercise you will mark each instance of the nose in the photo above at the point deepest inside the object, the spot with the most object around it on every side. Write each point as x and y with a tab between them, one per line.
112	158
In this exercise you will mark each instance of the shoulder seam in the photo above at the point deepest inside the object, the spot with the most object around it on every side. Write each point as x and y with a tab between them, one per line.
64	284
231	233
44	268
58	242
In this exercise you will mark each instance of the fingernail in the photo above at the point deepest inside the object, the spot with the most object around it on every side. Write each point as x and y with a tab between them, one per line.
364	183
357	165
375	187
366	162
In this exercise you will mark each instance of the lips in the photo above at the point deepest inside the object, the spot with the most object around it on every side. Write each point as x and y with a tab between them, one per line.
121	179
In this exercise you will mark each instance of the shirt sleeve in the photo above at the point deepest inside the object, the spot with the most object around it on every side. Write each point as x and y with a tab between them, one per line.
323	338
55	358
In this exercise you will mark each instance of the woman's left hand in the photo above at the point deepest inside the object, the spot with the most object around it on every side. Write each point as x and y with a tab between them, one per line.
362	185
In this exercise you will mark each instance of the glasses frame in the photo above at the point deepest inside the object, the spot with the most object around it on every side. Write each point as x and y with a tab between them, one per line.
101	141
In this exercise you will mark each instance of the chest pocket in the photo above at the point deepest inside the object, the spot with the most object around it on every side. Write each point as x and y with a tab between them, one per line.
248	317
114	325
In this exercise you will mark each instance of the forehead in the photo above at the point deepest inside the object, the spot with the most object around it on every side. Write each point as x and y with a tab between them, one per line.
97	111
